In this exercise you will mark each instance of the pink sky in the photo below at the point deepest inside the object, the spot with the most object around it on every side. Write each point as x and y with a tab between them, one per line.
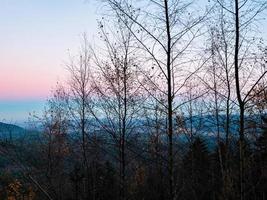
27	75
35	38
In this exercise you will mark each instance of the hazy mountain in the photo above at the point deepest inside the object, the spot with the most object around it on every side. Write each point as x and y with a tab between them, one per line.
8	131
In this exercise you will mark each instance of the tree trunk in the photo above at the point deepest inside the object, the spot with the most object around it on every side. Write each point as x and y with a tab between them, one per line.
240	103
170	121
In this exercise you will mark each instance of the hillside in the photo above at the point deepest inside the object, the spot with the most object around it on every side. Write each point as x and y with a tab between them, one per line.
8	131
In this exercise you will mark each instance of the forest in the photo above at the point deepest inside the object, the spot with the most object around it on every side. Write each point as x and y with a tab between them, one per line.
169	103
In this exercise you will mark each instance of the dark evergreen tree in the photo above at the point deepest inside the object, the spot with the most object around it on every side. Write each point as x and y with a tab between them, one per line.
196	174
260	168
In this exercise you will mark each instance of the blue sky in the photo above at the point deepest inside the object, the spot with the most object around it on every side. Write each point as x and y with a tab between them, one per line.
17	111
35	38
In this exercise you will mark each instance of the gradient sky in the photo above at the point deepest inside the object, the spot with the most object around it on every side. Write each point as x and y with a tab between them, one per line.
35	36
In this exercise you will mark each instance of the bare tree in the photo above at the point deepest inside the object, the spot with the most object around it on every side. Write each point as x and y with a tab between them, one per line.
256	7
164	31
79	102
55	124
247	75
218	80
118	93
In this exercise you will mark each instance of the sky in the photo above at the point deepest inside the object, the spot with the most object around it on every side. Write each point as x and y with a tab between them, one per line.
35	39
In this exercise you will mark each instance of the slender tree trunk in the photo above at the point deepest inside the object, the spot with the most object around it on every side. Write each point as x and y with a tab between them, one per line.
124	126
227	125
227	134
241	152
170	114
85	161
240	103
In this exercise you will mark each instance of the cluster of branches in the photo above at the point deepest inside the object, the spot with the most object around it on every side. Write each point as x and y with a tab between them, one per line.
168	105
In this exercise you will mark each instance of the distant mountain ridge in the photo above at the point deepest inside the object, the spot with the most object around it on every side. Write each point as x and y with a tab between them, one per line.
8	131
10	127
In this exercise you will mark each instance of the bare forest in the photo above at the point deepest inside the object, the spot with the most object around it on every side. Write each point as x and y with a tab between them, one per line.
168	104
